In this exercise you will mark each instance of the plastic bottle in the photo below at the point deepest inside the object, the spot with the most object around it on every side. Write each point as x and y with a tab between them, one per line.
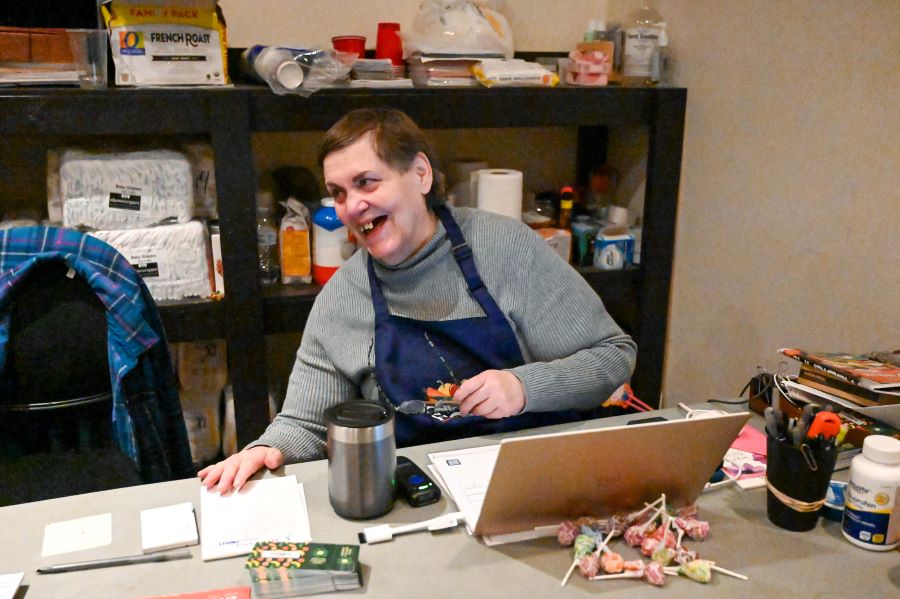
566	202
293	244
329	242
266	239
641	37
272	65
872	508
659	65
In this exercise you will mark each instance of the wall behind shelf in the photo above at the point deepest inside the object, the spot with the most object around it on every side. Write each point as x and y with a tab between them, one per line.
789	204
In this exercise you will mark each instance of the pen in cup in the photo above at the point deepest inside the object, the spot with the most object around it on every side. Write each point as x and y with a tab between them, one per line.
115	561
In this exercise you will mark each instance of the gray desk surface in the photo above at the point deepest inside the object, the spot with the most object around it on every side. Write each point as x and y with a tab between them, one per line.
818	563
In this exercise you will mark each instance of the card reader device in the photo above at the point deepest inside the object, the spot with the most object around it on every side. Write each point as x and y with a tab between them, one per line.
413	485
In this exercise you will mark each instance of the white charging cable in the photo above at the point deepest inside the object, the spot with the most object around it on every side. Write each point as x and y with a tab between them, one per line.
691	413
386	532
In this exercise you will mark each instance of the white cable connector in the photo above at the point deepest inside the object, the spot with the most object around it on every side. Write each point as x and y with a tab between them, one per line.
386	532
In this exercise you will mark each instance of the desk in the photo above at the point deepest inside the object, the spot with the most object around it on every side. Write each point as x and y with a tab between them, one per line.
453	564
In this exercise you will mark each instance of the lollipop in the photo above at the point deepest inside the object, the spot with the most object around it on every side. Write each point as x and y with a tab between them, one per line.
632	569
612	562
649	545
584	545
663	555
567	533
701	570
655	574
589	565
697	570
634	536
617	525
683	555
695	529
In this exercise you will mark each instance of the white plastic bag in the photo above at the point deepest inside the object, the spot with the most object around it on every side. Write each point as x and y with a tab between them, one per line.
459	27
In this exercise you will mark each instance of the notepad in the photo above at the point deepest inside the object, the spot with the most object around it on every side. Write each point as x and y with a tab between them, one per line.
168	527
9	584
77	535
266	509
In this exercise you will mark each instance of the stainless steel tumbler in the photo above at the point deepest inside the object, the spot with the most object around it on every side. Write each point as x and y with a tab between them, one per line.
361	458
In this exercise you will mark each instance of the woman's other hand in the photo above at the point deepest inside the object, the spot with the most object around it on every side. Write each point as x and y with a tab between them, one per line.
234	471
492	394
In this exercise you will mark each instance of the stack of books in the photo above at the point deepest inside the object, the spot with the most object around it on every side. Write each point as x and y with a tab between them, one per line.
862	380
280	569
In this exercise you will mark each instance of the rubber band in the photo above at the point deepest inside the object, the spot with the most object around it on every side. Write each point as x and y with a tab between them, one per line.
795	504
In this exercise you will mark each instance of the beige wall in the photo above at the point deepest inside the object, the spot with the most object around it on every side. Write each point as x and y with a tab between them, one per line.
789	211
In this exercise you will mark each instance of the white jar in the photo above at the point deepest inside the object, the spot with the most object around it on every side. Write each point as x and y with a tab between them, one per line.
872	509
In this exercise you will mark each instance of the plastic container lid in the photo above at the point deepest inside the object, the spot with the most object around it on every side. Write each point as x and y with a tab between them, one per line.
882	449
327	202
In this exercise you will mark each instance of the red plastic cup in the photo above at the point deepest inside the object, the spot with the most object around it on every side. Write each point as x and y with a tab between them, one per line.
388	43
352	44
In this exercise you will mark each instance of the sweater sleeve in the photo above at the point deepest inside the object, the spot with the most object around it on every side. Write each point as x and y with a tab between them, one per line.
577	354
315	384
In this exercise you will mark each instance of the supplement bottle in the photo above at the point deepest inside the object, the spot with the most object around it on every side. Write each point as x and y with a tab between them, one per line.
641	38
266	239
872	509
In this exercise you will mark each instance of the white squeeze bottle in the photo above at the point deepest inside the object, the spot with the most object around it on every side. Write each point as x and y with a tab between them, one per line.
872	505
641	38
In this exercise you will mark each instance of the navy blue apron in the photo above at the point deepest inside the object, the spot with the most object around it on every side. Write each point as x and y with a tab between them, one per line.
415	360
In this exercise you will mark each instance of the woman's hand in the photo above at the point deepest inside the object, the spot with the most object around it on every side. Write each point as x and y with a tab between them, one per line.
233	472
492	394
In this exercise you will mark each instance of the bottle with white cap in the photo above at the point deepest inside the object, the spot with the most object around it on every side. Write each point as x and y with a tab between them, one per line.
872	508
330	242
273	65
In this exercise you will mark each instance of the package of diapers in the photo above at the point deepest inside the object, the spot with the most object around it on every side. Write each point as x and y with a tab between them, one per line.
173	260
125	190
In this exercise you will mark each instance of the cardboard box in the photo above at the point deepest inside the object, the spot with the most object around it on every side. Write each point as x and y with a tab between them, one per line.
20	44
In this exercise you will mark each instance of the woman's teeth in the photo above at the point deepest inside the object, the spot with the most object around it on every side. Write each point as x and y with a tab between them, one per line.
366	228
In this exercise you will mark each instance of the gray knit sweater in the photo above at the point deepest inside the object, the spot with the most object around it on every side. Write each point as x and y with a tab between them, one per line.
575	355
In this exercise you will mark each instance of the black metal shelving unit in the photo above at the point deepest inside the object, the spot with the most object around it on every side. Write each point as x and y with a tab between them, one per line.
32	120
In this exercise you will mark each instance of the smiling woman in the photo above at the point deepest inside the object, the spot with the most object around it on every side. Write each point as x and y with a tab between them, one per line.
465	321
384	207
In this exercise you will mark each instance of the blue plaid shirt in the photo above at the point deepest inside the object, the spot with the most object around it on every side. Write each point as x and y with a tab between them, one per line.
147	418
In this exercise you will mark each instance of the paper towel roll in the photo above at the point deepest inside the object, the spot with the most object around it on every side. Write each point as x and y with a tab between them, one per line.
498	190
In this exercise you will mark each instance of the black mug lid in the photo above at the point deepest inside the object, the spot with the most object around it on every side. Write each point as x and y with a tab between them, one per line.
359	414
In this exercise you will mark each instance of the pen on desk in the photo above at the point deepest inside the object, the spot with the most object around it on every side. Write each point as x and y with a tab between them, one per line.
115	561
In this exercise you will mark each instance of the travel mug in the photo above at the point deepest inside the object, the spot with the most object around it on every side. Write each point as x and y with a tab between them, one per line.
361	458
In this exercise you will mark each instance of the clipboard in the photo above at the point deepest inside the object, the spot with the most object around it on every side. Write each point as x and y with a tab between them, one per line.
541	480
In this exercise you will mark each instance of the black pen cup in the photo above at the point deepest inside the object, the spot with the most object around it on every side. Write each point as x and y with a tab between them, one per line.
797	481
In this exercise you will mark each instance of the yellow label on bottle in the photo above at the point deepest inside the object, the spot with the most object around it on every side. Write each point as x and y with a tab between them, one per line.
295	258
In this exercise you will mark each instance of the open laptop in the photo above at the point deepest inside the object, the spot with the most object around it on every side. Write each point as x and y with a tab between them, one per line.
541	480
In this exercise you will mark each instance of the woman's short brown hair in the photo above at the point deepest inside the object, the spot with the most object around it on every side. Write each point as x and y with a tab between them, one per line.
397	138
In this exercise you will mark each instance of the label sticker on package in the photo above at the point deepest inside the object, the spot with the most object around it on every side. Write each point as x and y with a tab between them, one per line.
150	262
126	197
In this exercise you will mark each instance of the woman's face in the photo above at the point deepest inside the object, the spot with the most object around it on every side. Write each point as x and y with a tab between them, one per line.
383	208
